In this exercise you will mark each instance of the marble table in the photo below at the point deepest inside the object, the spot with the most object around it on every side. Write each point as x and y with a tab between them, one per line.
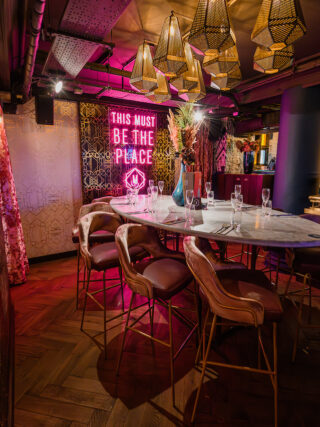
280	229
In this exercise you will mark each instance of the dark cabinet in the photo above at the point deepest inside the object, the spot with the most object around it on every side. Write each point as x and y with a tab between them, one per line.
251	186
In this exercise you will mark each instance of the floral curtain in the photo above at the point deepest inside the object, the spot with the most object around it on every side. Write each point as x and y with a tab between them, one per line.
204	156
13	235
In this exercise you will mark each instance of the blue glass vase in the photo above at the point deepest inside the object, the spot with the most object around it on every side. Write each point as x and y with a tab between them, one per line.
177	195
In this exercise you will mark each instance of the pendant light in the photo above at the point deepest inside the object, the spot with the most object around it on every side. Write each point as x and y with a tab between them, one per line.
227	81
269	62
279	24
162	92
223	64
143	76
211	30
169	56
199	91
189	78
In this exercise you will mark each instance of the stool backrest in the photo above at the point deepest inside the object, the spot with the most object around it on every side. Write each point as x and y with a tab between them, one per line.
129	235
224	304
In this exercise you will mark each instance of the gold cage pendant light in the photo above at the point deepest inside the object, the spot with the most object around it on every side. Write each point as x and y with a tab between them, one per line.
269	62
188	79
143	76
227	81
169	56
211	30
162	92
199	91
223	64
279	24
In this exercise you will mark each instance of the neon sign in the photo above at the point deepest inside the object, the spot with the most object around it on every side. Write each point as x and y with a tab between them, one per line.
135	179
132	136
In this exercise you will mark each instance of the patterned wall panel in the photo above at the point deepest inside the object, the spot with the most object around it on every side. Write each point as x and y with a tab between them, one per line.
100	173
46	169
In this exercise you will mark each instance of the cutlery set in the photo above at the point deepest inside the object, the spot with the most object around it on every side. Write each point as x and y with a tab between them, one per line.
225	229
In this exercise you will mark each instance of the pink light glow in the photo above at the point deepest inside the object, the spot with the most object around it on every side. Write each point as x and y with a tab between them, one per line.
235	113
135	179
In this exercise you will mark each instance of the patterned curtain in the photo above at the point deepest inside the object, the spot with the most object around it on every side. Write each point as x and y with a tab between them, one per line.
204	156
13	235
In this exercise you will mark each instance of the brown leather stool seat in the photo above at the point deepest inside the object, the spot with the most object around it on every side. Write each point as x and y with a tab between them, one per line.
167	275
106	255
255	285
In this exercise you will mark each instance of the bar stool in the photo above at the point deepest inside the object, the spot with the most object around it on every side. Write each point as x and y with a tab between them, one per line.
102	257
158	279
304	263
99	236
239	296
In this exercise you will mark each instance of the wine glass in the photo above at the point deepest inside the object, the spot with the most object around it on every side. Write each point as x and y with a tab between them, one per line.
151	183
208	187
268	208
265	195
189	200
234	201
149	199
240	201
237	189
210	198
154	196
161	185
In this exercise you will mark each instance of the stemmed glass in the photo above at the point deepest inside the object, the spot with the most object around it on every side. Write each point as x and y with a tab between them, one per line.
265	198
208	187
151	183
189	200
154	196
234	201
237	189
149	199
161	185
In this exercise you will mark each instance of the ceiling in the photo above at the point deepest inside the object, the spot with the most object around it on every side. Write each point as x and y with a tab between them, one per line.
142	20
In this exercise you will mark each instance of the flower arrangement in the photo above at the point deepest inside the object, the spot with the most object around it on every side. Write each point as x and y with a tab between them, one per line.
183	130
246	145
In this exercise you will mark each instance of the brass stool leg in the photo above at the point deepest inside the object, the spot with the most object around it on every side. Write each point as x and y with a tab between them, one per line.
202	339
121	285
213	325
296	341
288	283
171	353
85	300
78	276
259	348
124	333
105	315
275	370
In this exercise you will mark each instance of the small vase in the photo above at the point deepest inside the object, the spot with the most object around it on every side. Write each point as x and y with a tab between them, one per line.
177	195
248	160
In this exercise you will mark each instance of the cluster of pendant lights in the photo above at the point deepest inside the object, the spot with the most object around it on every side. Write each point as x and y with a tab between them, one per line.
279	24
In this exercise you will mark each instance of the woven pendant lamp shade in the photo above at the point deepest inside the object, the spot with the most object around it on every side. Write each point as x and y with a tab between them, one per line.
189	78
211	30
279	24
269	62
199	91
228	81
225	62
162	92
169	56
143	76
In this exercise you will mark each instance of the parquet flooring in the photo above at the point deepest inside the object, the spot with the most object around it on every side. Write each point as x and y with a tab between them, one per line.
62	378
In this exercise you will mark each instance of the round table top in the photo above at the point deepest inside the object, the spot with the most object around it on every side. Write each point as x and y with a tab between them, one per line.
279	229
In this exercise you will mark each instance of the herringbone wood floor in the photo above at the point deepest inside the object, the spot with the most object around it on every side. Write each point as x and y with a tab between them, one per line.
62	378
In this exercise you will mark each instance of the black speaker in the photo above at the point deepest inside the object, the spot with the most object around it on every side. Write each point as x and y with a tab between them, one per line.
44	110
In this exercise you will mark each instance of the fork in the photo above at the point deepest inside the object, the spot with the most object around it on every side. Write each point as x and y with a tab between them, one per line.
222	229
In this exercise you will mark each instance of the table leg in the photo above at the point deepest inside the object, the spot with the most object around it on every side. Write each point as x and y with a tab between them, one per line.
254	255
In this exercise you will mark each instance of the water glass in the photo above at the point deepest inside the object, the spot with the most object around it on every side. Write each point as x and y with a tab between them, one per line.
154	196
268	208
129	195
208	187
189	200
210	198
240	201
151	183
161	185
237	189
265	195
234	201
134	196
